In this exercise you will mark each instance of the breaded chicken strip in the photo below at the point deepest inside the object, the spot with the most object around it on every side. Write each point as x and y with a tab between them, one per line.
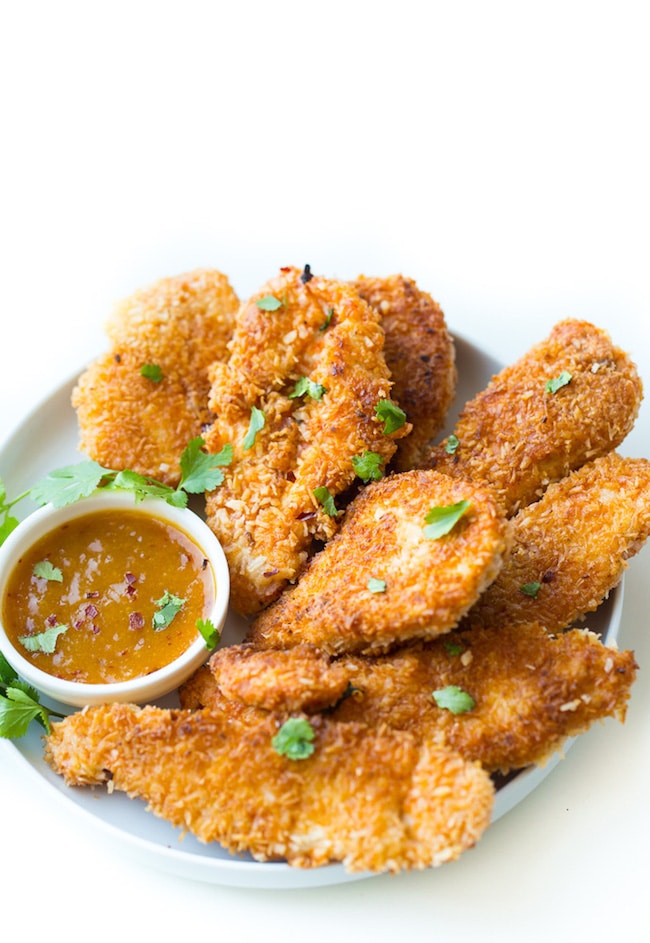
385	578
375	801
529	690
179	325
571	398
297	401
420	354
571	547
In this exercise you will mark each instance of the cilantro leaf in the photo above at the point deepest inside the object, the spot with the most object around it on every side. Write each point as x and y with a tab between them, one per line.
269	303
452	444
46	571
43	641
7	673
294	739
441	520
7	524
327	321
168	607
258	421
454	648
391	415
66	485
376	585
209	631
151	371
552	386
200	470
308	387
17	709
368	467
530	589
454	699
325	499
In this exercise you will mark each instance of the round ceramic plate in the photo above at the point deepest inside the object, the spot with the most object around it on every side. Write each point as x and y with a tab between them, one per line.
47	439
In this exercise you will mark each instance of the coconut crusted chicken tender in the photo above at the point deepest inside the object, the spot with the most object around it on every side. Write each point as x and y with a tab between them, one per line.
388	575
570	548
420	354
514	693
375	801
570	399
175	330
298	401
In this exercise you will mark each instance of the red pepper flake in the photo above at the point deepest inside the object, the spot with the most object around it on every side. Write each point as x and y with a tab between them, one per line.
272	572
136	621
51	620
92	595
130	578
306	515
91	611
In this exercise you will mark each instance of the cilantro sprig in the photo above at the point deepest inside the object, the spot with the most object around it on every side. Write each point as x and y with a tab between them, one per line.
19	704
441	520
294	739
454	699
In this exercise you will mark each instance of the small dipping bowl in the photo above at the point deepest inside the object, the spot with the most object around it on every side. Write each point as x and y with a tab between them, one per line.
145	688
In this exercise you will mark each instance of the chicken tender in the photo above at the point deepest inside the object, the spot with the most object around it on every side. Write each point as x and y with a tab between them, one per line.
529	691
384	578
297	400
570	399
420	354
375	801
180	326
571	547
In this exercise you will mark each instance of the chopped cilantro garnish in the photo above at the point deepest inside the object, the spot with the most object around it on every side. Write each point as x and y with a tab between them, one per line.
454	648
376	585
452	444
7	520
326	322
268	303
530	589
325	499
201	471
43	641
46	571
308	387
151	371
168	607
209	631
454	699
441	520
552	386
391	415
19	704
369	466
258	420
294	739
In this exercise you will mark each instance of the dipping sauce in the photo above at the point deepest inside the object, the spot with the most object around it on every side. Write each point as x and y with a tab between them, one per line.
115	594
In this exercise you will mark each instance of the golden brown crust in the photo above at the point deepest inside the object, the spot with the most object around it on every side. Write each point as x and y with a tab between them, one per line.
266	513
571	547
429	584
420	355
181	325
376	801
518	436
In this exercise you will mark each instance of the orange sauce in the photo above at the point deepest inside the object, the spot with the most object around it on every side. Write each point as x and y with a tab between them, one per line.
115	568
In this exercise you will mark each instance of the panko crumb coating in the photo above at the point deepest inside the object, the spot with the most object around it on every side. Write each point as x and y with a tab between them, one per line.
297	327
568	400
421	356
180	325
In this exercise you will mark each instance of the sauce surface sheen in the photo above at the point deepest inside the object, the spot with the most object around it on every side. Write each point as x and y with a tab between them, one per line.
116	567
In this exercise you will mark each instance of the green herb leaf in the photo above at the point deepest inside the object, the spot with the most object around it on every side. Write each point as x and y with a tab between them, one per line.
376	585
43	641
530	589
369	466
7	673
552	386
452	444
209	631
258	420
308	387
441	520
200	470
151	371
454	648
326	322
168	607
46	571
268	303
17	709
325	499
454	699
391	415
294	739
66	485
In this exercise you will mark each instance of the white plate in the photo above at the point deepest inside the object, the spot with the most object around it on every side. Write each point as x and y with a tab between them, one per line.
47	439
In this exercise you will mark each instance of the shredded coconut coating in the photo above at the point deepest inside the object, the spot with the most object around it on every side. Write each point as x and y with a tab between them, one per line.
420	354
429	584
572	546
375	801
519	437
266	514
182	325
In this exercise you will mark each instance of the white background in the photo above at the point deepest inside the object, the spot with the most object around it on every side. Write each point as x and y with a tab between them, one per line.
497	153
